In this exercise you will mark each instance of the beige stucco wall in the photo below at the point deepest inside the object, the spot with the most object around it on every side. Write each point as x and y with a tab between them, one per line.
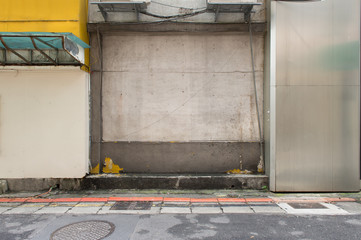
43	122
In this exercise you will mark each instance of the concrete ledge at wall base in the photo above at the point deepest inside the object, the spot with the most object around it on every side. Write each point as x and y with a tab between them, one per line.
141	181
3	186
42	184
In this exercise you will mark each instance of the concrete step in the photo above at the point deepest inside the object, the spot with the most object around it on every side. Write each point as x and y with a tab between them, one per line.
143	181
166	181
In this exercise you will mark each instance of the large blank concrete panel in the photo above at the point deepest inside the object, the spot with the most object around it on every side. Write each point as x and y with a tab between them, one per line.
314	96
43	122
180	87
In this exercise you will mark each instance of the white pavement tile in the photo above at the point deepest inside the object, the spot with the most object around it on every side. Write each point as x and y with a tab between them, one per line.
106	210
206	210
329	210
4	209
267	209
175	210
64	204
10	204
26	208
52	210
351	207
237	209
86	208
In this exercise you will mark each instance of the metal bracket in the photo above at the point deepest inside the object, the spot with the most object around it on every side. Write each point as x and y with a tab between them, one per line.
120	6
103	12
245	8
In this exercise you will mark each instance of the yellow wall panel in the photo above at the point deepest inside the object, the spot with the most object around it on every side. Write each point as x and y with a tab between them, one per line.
46	16
39	9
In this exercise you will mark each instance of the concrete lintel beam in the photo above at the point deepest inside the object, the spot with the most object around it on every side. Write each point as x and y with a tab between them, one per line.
177	27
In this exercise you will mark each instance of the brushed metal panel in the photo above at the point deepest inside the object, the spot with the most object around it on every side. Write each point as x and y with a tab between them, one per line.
317	146
345	137
304	162
317	42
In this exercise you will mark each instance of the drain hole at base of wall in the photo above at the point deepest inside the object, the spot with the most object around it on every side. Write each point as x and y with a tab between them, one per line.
86	230
232	186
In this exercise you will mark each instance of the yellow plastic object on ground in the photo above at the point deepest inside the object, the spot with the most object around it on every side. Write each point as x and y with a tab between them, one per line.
95	170
111	167
238	171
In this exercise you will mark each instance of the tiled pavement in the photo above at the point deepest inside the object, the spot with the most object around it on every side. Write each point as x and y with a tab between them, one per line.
163	205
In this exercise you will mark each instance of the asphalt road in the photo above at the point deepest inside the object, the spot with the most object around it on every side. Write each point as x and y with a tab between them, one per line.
189	226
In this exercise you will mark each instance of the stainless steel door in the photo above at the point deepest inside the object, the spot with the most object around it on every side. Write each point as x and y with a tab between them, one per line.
314	96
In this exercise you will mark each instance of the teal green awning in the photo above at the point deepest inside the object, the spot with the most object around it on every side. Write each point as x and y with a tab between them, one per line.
39	48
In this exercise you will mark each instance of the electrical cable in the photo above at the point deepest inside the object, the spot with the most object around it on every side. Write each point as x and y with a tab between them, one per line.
174	16
172	6
260	166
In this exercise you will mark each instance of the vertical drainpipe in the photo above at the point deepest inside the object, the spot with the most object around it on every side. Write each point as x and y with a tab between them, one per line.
260	167
100	102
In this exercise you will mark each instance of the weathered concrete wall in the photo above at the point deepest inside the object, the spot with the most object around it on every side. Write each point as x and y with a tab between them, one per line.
176	96
180	87
185	157
179	7
44	122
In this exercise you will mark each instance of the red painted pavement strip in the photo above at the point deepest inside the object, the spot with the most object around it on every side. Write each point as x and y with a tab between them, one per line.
39	200
13	199
258	200
176	199
231	200
90	199
299	200
66	200
204	200
340	199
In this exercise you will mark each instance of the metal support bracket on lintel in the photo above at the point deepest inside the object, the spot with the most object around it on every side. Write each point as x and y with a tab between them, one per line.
103	12
120	6
234	7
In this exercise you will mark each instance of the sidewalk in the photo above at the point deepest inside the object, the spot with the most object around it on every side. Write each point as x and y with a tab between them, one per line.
178	202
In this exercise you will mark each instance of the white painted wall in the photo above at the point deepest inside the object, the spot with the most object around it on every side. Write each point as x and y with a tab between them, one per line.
43	122
181	87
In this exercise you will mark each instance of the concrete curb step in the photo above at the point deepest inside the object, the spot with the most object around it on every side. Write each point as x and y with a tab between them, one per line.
143	181
166	199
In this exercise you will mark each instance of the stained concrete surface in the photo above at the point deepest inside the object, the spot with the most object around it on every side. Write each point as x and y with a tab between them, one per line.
185	226
192	89
198	157
180	87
